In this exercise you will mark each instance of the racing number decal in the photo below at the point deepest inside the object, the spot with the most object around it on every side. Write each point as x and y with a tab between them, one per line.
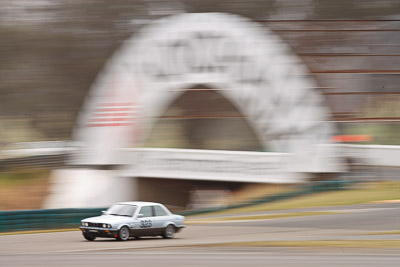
146	223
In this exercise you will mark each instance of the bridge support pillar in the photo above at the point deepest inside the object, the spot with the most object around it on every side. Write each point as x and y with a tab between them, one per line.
88	188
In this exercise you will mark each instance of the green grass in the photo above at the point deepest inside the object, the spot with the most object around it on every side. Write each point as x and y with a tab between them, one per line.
315	243
22	177
39	231
385	233
267	216
362	193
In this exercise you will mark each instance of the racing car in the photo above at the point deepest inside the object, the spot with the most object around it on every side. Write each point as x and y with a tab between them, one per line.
124	220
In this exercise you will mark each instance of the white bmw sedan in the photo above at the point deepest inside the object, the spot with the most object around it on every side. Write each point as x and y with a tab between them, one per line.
133	219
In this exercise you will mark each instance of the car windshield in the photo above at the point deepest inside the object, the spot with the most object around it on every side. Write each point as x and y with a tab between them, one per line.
121	210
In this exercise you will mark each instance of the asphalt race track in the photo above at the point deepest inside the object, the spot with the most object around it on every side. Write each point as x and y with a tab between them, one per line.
200	244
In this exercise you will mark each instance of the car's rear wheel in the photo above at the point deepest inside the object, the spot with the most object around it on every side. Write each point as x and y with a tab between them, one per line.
169	232
89	237
123	233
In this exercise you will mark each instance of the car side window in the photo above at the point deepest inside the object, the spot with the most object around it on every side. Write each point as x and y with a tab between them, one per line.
147	211
158	211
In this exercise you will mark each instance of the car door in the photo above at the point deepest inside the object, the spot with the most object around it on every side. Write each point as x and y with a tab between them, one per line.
146	220
160	218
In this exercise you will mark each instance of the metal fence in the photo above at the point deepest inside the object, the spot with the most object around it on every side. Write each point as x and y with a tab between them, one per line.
26	220
42	161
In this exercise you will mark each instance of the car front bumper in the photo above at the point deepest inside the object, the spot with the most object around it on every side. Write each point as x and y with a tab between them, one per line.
98	232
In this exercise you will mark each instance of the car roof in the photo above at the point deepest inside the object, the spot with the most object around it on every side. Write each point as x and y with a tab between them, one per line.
139	203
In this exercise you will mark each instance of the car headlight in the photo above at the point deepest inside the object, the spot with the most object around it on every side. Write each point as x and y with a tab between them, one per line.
109	225
104	225
85	224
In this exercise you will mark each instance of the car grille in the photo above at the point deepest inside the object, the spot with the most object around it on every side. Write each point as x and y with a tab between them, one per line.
99	225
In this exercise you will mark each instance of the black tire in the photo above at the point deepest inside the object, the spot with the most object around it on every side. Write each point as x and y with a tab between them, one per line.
169	232
89	237
123	234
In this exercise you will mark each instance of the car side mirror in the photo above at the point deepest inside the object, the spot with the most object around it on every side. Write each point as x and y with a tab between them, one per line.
140	215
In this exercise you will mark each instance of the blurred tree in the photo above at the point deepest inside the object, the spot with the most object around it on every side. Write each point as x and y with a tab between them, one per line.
387	106
52	50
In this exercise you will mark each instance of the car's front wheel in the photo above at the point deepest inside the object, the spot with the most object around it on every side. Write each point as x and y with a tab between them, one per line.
89	237
123	233
169	232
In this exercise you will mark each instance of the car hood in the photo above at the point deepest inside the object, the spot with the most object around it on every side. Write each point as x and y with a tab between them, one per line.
108	219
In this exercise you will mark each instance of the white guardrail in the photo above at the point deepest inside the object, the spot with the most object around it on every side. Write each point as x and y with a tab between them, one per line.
372	155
